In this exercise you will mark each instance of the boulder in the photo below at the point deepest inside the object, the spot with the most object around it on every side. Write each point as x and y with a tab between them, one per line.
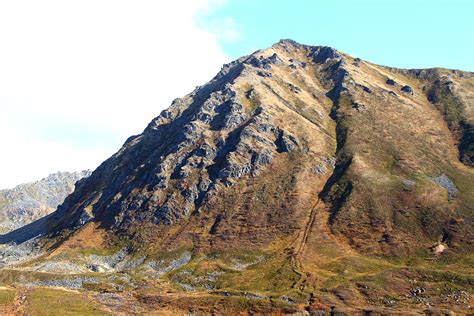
264	74
358	106
294	88
445	182
285	142
407	89
367	89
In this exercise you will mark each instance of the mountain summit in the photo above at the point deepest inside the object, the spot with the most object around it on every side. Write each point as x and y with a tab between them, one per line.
299	174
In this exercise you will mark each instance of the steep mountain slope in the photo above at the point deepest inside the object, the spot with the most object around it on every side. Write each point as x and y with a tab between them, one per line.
28	202
298	177
294	110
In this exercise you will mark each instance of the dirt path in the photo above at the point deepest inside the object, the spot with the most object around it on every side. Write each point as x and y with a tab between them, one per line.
307	229
20	302
299	249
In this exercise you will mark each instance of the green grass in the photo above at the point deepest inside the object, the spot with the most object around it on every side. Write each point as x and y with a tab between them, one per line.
44	301
7	296
100	252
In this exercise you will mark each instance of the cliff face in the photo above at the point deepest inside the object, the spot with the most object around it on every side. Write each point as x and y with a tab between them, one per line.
298	173
28	202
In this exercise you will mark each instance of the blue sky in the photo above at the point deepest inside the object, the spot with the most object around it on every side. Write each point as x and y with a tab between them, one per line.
399	33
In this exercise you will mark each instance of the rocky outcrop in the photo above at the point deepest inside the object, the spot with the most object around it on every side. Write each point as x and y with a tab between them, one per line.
28	202
407	89
202	142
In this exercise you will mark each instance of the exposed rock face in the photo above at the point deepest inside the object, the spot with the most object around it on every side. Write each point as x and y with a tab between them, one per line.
28	202
310	123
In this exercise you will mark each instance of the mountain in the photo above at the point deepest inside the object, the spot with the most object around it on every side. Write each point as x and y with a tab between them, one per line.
28	202
298	178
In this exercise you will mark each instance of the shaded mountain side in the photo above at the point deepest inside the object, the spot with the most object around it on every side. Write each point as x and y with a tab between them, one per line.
28	202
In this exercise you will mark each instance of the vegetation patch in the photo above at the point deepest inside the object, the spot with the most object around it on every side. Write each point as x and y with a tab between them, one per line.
7	296
45	301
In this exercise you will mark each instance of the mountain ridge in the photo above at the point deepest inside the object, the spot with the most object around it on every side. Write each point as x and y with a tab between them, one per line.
27	202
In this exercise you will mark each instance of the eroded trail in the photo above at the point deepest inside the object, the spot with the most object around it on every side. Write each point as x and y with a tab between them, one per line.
297	251
307	229
20	301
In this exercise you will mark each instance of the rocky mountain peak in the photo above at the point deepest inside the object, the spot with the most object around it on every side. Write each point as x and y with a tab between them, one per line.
290	102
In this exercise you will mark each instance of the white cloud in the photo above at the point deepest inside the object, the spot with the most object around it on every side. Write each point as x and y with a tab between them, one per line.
78	77
225	28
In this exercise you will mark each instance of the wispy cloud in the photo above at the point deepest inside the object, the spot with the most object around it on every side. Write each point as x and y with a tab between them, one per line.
225	28
78	77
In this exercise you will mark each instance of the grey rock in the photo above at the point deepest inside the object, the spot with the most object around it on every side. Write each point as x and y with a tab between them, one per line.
407	89
162	267
111	260
58	267
274	59
265	63
235	171
320	169
69	283
322	54
367	89
204	117
84	218
444	181
166	114
190	194
14	253
286	142
28	202
325	166
206	151
168	213
294	88
266	128
234	117
250	94
408	184
264	74
204	185
390	82
261	159
358	106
